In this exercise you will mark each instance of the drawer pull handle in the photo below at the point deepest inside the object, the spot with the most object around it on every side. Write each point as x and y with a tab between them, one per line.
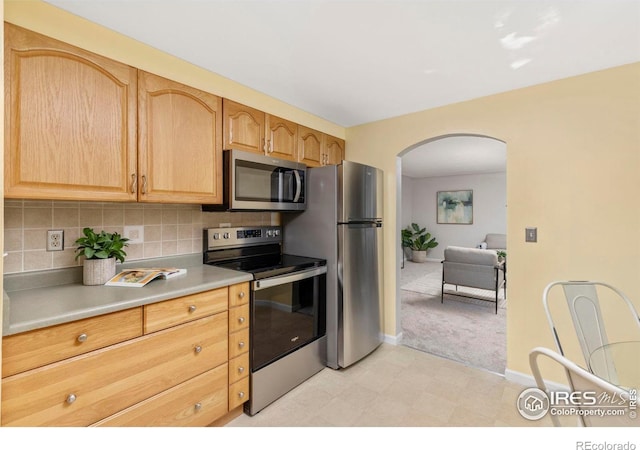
198	348
71	398
240	369
192	308
241	294
240	319
83	337
241	344
240	394
197	406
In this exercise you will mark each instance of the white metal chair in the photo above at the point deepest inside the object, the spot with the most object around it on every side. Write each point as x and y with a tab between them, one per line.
584	306
582	381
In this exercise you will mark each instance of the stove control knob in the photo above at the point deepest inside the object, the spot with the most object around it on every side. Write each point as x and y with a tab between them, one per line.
269	233
216	235
276	232
225	235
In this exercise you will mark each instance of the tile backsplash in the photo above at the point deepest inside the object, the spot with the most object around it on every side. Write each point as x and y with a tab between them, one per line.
168	229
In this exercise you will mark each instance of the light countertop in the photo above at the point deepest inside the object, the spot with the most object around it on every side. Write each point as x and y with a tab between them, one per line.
35	300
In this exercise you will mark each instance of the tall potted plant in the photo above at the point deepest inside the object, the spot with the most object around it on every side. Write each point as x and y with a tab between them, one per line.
100	250
419	241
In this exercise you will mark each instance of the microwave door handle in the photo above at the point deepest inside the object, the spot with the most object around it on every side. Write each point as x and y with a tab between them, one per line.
298	186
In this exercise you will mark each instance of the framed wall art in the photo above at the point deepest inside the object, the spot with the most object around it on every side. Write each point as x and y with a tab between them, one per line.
455	207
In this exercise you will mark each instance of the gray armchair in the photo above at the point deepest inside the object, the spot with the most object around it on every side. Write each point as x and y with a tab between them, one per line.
472	267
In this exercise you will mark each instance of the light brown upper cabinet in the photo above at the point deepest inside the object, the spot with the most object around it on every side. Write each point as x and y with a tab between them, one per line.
310	146
243	127
252	130
70	121
179	142
333	150
317	149
281	138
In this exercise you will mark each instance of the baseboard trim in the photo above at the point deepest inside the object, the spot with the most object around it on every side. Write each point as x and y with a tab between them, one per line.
393	340
528	380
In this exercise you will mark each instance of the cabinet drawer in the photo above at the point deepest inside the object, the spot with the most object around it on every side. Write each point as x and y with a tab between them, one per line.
239	368
87	388
238	343
25	351
238	318
238	393
158	316
197	402
238	294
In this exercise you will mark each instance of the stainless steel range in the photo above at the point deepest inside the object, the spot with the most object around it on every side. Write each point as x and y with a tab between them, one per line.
288	308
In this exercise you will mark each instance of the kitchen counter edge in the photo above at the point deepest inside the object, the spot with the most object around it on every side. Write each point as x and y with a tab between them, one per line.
46	305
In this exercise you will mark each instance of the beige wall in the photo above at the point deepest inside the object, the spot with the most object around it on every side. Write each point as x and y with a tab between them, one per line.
573	165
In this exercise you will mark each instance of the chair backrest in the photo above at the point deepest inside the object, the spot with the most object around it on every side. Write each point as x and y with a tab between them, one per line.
581	381
496	241
583	303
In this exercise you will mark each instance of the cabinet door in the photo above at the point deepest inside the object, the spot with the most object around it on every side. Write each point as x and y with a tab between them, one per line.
281	138
180	144
243	127
70	121
309	146
334	150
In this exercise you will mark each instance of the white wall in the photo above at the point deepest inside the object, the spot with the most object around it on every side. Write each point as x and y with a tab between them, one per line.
489	208
407	201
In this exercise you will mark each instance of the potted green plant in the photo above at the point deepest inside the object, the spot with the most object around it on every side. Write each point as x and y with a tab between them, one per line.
100	250
419	241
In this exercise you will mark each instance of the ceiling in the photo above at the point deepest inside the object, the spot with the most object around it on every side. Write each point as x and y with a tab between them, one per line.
456	155
357	61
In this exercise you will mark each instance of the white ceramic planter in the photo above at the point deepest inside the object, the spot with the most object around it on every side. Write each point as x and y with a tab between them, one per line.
419	255
98	271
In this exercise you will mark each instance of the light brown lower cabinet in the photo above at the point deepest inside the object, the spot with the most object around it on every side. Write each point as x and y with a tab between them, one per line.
197	402
187	371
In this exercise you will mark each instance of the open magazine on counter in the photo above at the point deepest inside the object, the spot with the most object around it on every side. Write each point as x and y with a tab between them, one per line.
141	276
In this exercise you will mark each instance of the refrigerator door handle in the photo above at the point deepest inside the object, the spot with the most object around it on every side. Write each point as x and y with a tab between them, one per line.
362	222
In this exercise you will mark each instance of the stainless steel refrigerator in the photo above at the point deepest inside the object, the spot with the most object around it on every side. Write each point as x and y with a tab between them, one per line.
343	224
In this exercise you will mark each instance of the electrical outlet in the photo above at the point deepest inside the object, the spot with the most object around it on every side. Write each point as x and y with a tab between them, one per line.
55	240
134	233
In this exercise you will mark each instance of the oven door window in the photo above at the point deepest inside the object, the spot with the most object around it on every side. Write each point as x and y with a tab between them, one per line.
286	317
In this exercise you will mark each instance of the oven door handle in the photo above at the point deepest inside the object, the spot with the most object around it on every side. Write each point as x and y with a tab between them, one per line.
288	278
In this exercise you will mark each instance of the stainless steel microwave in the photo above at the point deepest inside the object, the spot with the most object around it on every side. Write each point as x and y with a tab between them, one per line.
253	182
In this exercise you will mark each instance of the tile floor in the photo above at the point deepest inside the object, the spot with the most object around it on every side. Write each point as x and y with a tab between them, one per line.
397	386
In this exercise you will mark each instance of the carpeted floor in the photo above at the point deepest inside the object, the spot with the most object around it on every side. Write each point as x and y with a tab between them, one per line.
463	329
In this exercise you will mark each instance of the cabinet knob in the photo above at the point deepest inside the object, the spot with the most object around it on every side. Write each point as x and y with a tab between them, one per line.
241	344
144	184
82	338
197	407
192	308
240	369
71	398
240	319
198	348
241	294
240	394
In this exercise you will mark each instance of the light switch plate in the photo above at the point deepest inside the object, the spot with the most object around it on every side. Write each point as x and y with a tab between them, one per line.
134	233
531	234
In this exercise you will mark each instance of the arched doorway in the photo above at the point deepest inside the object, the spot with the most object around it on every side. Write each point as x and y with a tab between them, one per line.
462	328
